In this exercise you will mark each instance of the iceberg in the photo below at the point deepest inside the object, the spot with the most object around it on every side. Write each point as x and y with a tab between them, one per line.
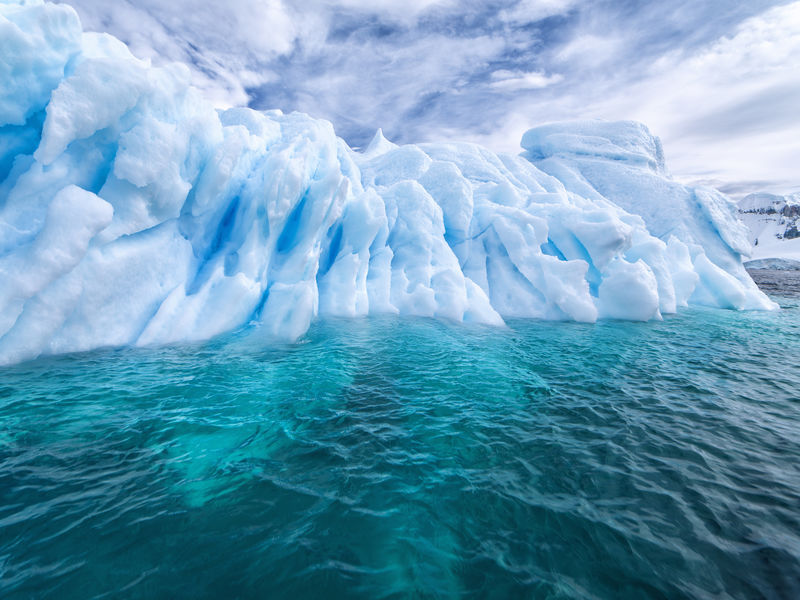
134	213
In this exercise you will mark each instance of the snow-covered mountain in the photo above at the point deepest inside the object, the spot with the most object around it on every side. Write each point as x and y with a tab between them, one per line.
133	213
773	223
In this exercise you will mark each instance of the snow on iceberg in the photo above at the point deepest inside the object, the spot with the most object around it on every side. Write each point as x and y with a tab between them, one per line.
132	212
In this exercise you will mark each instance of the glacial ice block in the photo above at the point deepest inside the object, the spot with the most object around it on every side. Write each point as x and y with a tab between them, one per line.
623	164
132	212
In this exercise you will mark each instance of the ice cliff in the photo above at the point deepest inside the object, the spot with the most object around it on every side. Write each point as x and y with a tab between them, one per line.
132	212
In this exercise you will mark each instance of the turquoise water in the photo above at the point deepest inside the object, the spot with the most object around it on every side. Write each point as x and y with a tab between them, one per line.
411	458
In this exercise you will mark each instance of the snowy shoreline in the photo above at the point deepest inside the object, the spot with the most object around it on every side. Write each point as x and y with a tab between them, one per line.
772	221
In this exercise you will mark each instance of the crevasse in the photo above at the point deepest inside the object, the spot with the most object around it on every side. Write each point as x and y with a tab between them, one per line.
132	212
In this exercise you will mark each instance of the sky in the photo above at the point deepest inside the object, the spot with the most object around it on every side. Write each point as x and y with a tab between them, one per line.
717	80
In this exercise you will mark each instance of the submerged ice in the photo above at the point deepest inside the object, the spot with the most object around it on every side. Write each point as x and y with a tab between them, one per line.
132	212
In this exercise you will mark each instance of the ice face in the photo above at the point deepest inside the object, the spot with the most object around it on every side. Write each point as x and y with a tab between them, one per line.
132	212
623	164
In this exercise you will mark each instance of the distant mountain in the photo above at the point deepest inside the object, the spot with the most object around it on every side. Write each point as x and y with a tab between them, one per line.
773	223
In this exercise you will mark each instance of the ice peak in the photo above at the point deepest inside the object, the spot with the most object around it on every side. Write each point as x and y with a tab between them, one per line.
378	145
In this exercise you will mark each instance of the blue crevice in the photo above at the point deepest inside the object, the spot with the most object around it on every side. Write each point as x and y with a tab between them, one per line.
222	235
593	275
332	251
550	248
19	140
288	237
225	228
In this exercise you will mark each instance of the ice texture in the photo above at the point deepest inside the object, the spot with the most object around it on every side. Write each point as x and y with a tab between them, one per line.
133	213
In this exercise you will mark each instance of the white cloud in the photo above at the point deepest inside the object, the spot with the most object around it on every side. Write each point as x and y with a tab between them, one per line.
230	45
731	110
405	10
516	80
727	111
530	11
390	87
219	41
590	51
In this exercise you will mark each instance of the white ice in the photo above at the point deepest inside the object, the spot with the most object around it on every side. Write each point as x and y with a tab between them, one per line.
132	213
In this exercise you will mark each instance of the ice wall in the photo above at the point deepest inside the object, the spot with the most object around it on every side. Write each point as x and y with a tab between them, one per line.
131	212
623	163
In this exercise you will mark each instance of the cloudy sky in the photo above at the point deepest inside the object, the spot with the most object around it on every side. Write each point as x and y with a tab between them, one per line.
717	80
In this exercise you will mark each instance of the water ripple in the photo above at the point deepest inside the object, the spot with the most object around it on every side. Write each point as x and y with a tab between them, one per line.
389	458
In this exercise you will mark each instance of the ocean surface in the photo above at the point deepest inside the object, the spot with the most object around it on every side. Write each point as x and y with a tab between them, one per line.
409	458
